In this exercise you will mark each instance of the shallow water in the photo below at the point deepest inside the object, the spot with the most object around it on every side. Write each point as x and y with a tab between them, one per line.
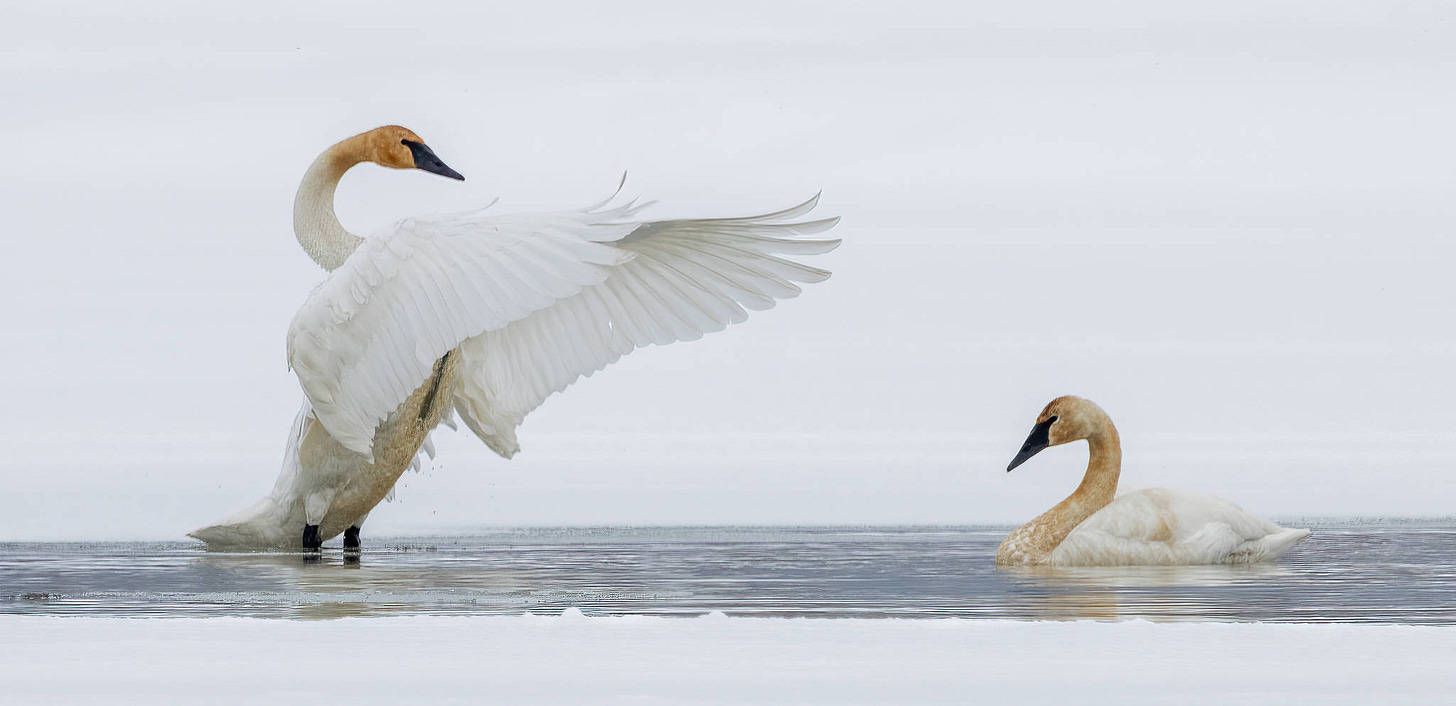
1376	571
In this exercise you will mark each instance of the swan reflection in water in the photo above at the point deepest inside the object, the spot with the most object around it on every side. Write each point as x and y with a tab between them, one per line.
333	585
1148	576
1157	593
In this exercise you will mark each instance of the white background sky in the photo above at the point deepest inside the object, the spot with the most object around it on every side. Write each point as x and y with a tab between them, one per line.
1229	224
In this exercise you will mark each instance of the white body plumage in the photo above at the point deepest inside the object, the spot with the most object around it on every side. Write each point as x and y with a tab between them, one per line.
1162	527
484	317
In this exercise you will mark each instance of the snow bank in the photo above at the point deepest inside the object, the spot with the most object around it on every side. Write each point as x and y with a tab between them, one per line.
578	660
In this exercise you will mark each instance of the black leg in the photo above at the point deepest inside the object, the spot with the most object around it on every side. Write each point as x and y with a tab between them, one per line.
311	541
351	539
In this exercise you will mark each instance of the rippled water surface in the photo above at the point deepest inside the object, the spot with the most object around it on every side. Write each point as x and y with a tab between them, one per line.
1401	572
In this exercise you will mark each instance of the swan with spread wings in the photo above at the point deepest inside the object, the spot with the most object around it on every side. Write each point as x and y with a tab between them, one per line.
482	318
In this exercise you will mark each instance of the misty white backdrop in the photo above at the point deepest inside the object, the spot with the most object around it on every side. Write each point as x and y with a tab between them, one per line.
1230	224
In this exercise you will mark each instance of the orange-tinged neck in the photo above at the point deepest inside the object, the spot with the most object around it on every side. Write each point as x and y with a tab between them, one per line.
1034	542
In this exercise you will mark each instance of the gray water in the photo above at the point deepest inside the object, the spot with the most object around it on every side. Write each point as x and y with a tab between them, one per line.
1369	572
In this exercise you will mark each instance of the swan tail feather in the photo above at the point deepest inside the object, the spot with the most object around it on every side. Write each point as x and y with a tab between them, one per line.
260	526
263	524
1275	545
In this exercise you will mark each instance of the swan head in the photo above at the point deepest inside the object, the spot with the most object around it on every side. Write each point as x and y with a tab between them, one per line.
1062	421
400	148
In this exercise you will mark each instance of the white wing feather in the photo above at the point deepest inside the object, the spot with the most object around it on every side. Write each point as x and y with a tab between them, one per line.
688	278
1158	526
532	302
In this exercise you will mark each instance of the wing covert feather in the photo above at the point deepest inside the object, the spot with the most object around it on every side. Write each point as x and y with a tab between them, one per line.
370	333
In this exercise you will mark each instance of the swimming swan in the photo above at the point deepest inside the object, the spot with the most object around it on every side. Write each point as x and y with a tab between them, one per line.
484	317
1154	526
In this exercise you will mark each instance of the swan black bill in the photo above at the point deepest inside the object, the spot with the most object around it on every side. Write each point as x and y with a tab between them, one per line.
1038	439
425	159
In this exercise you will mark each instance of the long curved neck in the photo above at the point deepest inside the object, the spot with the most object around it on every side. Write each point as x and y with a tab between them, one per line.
314	222
1098	487
1104	466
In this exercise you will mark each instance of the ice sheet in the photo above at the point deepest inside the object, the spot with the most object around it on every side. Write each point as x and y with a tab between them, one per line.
713	660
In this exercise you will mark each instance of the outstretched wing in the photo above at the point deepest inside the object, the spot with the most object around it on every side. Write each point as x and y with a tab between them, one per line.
684	278
370	334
